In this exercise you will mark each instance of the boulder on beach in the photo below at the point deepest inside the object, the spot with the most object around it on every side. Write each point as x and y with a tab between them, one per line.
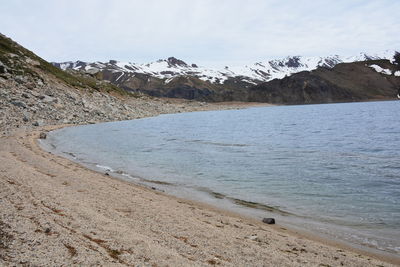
268	220
42	135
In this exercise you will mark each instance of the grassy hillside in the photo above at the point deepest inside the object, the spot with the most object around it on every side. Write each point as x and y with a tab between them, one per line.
21	61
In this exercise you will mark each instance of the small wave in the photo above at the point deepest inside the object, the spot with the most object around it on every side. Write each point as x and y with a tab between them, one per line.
396	167
70	154
260	206
107	168
217	143
245	203
157	182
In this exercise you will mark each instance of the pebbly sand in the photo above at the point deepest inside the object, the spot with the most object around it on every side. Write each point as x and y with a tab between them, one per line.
57	213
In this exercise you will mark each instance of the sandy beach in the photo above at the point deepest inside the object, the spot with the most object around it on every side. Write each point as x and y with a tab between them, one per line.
57	213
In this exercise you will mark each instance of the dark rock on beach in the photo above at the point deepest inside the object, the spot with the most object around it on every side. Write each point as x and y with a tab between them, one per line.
42	135
268	220
19	104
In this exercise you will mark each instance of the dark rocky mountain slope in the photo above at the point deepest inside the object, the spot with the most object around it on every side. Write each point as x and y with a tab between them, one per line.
345	82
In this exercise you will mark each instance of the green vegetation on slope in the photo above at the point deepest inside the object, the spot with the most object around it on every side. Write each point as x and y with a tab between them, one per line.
13	56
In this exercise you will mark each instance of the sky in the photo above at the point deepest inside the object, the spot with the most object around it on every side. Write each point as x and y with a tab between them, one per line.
205	32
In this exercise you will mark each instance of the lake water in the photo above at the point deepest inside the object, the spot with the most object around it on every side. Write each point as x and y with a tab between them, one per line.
333	169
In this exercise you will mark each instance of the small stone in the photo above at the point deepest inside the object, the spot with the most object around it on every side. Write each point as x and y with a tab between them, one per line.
26	117
19	104
5	76
35	94
37	123
252	237
107	174
47	231
20	79
47	99
268	220
42	135
3	69
49	93
30	86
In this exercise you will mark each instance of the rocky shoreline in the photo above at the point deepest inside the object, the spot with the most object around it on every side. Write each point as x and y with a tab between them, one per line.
26	103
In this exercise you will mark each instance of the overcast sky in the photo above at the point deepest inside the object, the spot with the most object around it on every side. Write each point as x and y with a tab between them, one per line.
207	32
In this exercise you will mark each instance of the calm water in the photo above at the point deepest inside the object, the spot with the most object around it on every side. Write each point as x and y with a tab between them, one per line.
334	169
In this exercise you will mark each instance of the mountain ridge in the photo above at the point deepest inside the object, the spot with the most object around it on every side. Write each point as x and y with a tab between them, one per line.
262	71
175	78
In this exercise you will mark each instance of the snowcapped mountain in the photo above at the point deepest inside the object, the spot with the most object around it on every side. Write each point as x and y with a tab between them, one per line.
171	68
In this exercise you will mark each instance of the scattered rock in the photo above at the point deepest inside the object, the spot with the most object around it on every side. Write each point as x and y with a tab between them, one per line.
30	86
37	123
5	76
35	94
3	69
49	92
20	79
107	174
19	104
42	135
253	237
47	99
32	62
26	116
40	83
268	220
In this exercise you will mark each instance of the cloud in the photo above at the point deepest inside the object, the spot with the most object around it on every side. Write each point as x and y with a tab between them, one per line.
213	32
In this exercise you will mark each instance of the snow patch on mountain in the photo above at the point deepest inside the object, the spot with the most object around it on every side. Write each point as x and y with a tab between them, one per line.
381	70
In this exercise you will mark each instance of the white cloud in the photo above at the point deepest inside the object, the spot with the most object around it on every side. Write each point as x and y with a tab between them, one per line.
201	31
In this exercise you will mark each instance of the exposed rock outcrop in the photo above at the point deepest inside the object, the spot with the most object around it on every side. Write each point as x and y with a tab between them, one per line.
345	82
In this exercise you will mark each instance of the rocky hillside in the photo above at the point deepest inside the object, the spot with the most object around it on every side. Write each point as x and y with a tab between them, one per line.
346	82
34	93
176	79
